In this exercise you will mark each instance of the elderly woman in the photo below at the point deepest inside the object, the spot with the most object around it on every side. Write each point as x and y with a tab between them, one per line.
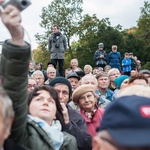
86	98
88	69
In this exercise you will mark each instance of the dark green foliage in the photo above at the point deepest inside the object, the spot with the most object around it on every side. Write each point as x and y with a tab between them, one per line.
90	30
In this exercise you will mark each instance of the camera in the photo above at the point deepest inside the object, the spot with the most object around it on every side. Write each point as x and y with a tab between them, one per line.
57	45
20	4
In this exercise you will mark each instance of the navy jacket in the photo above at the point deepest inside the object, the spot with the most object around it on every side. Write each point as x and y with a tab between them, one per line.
114	60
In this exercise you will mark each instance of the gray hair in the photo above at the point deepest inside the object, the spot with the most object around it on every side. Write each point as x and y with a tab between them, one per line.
37	72
7	106
74	59
88	76
89	66
112	70
31	78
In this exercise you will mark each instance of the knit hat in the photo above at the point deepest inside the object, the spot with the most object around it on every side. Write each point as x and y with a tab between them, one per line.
127	120
61	80
80	91
118	81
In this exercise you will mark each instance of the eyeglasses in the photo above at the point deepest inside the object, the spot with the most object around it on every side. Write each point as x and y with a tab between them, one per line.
30	85
89	96
114	74
51	73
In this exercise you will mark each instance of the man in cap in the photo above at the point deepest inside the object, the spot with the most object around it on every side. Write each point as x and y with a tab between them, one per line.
73	78
75	123
125	125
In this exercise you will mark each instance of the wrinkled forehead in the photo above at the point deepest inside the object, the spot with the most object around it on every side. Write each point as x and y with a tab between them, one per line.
89	79
59	86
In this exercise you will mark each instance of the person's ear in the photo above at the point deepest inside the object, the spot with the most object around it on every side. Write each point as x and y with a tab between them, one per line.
8	127
96	143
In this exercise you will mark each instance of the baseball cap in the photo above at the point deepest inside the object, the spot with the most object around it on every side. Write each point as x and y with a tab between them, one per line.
127	120
72	74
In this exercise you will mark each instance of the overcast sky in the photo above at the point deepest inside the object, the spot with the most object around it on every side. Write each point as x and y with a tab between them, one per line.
123	12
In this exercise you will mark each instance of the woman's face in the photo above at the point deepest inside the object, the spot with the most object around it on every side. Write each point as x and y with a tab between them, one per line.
74	64
87	102
86	70
43	106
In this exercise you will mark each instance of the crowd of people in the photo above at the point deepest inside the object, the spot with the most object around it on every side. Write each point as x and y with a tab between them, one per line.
89	109
114	60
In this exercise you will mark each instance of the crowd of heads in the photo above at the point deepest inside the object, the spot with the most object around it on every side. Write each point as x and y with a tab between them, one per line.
95	88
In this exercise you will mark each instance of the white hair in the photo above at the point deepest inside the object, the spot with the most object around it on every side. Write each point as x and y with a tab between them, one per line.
112	70
84	78
89	66
37	72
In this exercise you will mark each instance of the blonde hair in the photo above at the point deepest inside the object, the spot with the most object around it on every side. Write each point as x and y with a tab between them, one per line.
114	47
139	90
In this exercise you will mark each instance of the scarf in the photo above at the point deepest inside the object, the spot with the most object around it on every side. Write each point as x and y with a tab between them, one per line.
53	131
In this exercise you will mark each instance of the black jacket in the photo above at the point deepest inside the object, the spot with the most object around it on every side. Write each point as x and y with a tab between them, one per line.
77	127
10	145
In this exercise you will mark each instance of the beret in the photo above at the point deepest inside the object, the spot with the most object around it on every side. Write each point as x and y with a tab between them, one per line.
80	91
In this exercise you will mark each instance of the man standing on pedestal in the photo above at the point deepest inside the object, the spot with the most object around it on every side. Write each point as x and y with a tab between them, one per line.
57	45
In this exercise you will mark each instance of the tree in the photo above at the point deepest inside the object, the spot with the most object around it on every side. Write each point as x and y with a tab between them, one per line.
93	31
143	31
65	13
144	23
41	55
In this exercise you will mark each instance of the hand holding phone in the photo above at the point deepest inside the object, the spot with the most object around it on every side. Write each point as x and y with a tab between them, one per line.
20	4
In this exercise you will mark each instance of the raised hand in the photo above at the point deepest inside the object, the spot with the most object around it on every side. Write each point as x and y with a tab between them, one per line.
12	20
